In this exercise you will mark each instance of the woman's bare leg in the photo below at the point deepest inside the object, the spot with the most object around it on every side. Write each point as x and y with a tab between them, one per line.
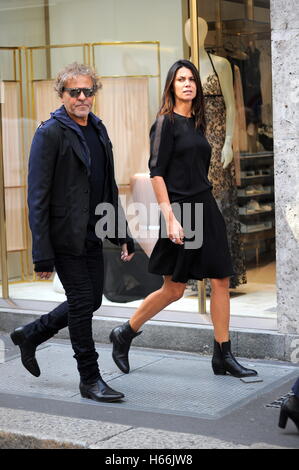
220	308
223	360
156	301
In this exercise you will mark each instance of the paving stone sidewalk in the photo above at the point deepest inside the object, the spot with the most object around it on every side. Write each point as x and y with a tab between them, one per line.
172	401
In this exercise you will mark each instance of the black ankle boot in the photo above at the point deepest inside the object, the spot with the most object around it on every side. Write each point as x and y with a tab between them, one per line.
121	338
27	349
99	391
223	361
289	409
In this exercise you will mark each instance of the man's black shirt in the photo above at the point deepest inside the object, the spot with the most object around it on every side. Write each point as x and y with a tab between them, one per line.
97	175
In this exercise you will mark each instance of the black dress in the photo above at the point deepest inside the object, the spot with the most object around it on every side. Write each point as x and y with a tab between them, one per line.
181	154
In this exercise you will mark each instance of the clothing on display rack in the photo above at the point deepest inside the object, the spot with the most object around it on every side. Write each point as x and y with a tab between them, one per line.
240	122
264	46
254	64
252	86
251	82
234	52
240	143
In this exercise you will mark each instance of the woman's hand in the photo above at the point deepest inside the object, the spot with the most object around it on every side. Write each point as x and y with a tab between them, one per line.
175	231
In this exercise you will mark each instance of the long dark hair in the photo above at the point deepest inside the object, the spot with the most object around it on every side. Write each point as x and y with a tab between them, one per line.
168	98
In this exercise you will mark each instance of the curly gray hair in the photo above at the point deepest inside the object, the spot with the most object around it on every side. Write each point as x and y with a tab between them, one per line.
74	70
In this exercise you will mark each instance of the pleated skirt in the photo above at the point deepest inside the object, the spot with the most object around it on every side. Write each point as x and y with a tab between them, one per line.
205	253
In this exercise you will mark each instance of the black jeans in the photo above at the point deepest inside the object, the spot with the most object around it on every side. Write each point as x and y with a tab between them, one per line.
82	278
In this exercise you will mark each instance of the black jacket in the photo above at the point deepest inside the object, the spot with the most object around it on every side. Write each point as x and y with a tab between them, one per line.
58	187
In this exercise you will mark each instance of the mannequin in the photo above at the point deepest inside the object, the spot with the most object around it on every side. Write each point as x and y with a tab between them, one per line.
220	109
224	72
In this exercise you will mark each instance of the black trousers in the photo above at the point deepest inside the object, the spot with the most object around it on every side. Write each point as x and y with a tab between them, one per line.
82	278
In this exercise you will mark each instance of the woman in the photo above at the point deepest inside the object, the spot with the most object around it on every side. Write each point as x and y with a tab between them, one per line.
179	164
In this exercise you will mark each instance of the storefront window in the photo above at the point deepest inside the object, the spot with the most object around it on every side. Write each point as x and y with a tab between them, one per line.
240	32
132	44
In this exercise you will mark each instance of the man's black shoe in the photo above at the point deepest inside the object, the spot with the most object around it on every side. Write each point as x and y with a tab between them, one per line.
100	391
27	351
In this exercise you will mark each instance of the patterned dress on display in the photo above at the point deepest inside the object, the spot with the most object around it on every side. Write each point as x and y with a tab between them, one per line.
223	180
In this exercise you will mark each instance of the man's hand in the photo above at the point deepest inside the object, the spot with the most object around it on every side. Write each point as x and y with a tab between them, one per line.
124	253
44	275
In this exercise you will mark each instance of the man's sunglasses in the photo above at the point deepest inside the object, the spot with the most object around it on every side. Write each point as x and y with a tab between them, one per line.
76	92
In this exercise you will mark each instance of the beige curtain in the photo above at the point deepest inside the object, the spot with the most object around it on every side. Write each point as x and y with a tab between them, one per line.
15	202
123	105
45	100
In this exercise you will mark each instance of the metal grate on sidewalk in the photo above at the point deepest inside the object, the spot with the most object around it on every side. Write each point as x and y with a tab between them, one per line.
278	402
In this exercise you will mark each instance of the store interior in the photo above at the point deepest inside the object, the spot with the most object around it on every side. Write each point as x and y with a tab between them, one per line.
133	74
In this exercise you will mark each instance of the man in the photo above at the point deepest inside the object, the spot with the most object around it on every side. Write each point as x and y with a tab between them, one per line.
70	173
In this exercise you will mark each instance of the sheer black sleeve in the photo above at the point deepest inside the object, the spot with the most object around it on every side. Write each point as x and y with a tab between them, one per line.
161	145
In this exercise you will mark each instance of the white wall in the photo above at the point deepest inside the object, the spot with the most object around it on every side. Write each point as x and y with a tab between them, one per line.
119	20
21	23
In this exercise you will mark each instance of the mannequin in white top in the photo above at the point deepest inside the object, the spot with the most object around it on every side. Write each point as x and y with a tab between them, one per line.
223	69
